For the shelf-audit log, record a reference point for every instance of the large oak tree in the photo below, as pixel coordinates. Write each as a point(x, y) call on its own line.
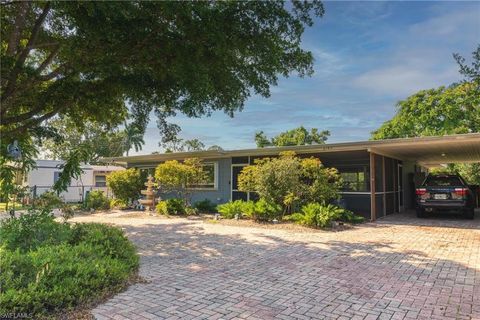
point(98, 61)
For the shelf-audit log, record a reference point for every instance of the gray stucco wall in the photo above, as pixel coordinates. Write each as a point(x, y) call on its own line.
point(222, 193)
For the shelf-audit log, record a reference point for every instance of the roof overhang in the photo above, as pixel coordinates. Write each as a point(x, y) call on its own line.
point(426, 151)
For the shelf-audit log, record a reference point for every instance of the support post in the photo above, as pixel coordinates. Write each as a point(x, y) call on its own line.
point(384, 188)
point(373, 211)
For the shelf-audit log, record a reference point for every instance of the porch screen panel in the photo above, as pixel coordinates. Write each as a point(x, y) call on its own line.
point(238, 195)
point(235, 173)
point(378, 175)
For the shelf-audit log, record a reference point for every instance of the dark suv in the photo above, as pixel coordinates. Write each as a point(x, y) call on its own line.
point(445, 192)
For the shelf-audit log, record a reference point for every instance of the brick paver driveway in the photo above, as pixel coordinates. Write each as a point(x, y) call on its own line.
point(397, 268)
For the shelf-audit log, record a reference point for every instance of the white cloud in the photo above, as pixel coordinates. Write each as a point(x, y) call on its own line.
point(404, 80)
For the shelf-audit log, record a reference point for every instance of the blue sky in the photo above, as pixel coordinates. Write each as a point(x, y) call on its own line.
point(368, 55)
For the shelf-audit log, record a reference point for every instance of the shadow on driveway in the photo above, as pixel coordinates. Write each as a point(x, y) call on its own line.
point(199, 271)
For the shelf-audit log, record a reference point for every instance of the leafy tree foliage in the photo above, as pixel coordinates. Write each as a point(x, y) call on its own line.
point(289, 180)
point(100, 141)
point(176, 144)
point(89, 60)
point(194, 145)
point(295, 137)
point(178, 177)
point(435, 112)
point(126, 184)
point(441, 111)
point(215, 147)
point(133, 137)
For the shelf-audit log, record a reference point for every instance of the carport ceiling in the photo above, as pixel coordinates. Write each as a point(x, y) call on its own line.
point(434, 151)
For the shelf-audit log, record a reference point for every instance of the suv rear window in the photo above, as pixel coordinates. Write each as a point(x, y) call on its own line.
point(443, 181)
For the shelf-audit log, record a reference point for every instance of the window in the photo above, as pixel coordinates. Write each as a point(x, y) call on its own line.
point(100, 181)
point(440, 181)
point(355, 179)
point(56, 176)
point(210, 177)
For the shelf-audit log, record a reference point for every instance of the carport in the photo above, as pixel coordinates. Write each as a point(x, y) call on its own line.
point(397, 165)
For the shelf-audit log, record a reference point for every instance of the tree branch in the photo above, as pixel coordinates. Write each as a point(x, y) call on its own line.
point(29, 124)
point(48, 60)
point(23, 55)
point(19, 24)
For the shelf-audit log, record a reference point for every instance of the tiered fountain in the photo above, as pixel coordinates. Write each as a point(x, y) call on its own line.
point(149, 193)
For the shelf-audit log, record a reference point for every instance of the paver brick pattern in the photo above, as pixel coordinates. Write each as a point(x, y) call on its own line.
point(399, 267)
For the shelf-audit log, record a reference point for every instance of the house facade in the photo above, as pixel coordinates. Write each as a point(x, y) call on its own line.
point(379, 176)
point(47, 172)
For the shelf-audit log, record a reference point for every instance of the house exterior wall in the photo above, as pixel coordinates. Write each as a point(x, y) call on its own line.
point(359, 202)
point(42, 178)
point(221, 193)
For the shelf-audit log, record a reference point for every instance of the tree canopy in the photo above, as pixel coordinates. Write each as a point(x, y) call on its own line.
point(445, 110)
point(440, 111)
point(98, 140)
point(88, 59)
point(295, 137)
point(99, 61)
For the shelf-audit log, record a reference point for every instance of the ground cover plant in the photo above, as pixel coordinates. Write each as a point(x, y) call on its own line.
point(49, 267)
point(205, 206)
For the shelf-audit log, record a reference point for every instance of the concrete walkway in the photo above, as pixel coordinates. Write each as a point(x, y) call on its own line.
point(397, 268)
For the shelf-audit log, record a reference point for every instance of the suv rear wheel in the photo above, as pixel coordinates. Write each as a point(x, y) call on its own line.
point(469, 213)
point(420, 213)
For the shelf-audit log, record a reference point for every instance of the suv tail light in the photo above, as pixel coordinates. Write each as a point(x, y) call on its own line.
point(461, 192)
point(420, 191)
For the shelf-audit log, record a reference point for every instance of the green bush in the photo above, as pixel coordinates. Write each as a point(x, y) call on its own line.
point(49, 200)
point(317, 215)
point(350, 217)
point(248, 209)
point(97, 200)
point(125, 184)
point(118, 204)
point(75, 266)
point(171, 206)
point(205, 206)
point(261, 210)
point(230, 209)
point(266, 211)
point(31, 230)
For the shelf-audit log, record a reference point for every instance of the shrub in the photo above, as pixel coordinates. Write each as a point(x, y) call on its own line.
point(176, 177)
point(350, 217)
point(261, 210)
point(118, 204)
point(171, 206)
point(266, 211)
point(96, 199)
point(31, 230)
point(49, 200)
point(230, 209)
point(317, 215)
point(289, 181)
point(64, 267)
point(190, 211)
point(205, 206)
point(125, 184)
point(249, 209)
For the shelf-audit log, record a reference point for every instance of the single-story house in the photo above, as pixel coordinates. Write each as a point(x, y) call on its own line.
point(379, 175)
point(46, 173)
